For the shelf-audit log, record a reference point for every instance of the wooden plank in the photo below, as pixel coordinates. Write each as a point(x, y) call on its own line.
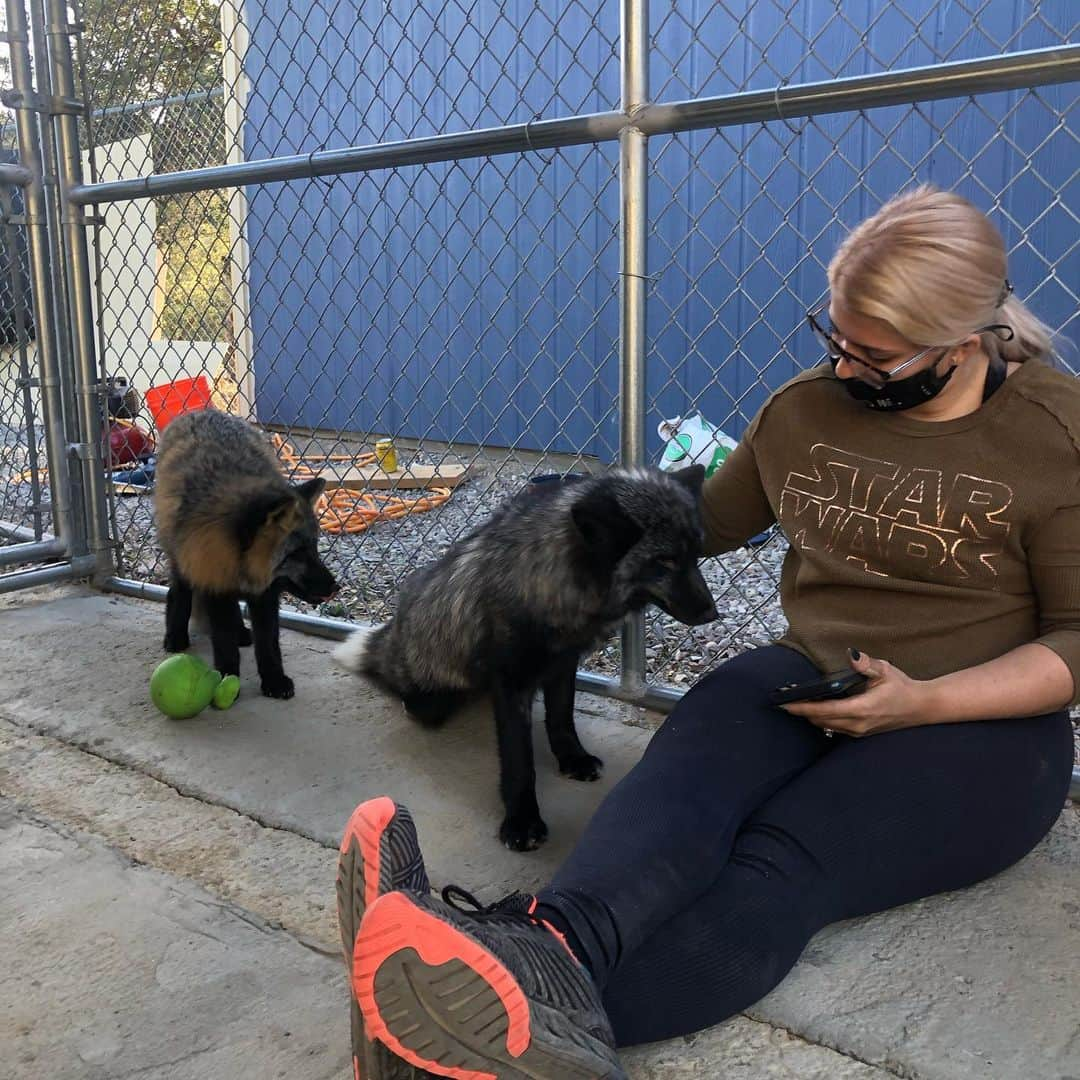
point(371, 476)
point(132, 489)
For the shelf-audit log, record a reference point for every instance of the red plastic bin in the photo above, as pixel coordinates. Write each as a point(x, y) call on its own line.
point(169, 400)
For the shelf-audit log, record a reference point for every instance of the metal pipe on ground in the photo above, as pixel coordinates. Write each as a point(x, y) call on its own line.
point(20, 533)
point(43, 575)
point(34, 551)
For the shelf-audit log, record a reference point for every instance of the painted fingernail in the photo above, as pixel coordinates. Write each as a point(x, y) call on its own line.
point(855, 654)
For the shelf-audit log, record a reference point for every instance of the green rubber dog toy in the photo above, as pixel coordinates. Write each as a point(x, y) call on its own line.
point(183, 685)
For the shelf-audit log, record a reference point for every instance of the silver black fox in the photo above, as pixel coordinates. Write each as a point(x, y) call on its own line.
point(513, 606)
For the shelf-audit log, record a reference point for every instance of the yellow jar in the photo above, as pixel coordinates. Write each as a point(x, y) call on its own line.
point(386, 455)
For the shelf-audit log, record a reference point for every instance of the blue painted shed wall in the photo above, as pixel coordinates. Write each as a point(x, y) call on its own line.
point(476, 302)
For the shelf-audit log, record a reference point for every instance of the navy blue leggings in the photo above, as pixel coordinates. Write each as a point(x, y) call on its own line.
point(744, 830)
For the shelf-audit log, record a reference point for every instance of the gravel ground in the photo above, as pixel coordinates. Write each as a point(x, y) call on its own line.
point(370, 565)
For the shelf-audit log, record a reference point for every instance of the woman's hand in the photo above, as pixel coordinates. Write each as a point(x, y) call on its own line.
point(1030, 680)
point(890, 700)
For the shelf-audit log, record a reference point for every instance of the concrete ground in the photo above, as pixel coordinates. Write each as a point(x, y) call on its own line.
point(167, 902)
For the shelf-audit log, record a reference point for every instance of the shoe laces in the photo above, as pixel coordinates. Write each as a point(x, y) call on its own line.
point(517, 906)
point(516, 909)
point(463, 900)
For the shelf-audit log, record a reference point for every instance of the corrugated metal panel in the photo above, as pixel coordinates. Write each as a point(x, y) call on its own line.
point(468, 302)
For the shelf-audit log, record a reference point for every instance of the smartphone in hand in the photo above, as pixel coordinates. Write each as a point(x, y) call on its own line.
point(839, 684)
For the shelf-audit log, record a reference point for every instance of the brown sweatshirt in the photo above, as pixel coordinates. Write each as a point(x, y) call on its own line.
point(933, 545)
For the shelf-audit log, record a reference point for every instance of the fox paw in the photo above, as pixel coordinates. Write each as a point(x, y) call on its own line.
point(524, 834)
point(280, 686)
point(176, 642)
point(581, 767)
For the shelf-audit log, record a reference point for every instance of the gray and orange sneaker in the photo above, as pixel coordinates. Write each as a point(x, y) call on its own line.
point(489, 993)
point(379, 854)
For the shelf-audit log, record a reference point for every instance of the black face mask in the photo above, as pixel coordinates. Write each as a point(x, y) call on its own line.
point(901, 394)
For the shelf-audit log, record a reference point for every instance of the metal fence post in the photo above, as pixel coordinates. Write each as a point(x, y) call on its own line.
point(11, 244)
point(633, 237)
point(44, 297)
point(80, 307)
point(57, 277)
point(234, 34)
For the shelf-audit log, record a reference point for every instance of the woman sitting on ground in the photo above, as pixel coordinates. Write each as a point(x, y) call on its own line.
point(928, 481)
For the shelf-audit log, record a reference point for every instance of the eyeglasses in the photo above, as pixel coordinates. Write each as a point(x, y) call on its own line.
point(868, 372)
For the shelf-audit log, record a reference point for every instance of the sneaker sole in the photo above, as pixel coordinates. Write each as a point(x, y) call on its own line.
point(364, 862)
point(443, 1002)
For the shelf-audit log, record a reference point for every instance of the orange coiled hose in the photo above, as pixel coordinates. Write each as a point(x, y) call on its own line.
point(342, 510)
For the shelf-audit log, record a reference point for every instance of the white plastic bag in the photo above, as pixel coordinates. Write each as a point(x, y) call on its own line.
point(692, 440)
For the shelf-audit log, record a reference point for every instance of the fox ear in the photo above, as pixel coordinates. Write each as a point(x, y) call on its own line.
point(311, 489)
point(693, 476)
point(277, 511)
point(609, 533)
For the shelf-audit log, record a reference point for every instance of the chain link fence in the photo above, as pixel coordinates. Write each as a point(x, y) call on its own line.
point(733, 278)
point(745, 219)
point(466, 304)
point(24, 506)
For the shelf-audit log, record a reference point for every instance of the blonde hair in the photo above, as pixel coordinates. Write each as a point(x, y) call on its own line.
point(933, 266)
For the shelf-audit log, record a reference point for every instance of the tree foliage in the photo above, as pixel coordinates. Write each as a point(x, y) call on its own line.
point(144, 50)
point(134, 51)
point(138, 50)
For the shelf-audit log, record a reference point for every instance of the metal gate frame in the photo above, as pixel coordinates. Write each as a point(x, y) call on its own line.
point(48, 132)
point(67, 436)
